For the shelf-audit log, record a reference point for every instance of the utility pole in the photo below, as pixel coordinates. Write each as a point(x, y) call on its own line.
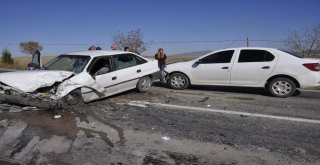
point(247, 41)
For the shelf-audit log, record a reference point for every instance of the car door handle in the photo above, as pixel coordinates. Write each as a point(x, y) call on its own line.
point(225, 67)
point(138, 71)
point(114, 78)
point(266, 67)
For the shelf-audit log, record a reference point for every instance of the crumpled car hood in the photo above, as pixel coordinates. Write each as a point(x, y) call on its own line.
point(82, 79)
point(29, 81)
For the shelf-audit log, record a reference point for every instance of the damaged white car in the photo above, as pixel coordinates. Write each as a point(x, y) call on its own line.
point(71, 79)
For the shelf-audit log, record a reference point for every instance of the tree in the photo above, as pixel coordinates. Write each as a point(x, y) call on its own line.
point(30, 47)
point(133, 40)
point(306, 42)
point(6, 57)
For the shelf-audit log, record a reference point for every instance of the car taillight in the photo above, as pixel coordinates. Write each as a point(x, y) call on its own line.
point(313, 66)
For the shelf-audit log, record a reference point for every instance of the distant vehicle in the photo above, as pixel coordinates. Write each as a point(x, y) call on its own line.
point(278, 71)
point(74, 78)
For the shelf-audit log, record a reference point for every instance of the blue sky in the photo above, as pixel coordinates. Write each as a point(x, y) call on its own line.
point(65, 26)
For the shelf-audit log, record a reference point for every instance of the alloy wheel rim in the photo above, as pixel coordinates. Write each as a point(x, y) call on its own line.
point(281, 88)
point(146, 84)
point(178, 81)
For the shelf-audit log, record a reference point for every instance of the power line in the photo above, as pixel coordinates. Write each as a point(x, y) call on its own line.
point(163, 42)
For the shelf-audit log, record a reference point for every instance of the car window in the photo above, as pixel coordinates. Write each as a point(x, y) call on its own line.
point(255, 56)
point(219, 57)
point(122, 61)
point(295, 54)
point(71, 63)
point(100, 65)
point(139, 60)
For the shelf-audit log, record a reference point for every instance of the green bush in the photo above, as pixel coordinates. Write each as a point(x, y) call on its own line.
point(6, 57)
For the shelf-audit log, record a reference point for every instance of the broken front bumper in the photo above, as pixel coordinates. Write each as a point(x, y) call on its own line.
point(28, 101)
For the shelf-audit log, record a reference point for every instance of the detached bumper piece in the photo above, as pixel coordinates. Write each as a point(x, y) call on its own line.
point(27, 101)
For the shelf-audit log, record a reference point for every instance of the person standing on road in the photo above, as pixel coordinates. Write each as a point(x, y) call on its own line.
point(161, 57)
point(35, 61)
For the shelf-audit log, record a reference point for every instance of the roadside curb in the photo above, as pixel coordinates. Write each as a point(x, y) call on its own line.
point(309, 93)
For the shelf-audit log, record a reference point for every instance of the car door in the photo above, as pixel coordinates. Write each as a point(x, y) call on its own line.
point(213, 69)
point(252, 66)
point(103, 71)
point(129, 69)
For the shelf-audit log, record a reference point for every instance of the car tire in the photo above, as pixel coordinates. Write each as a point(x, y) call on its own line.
point(72, 99)
point(178, 81)
point(281, 87)
point(144, 84)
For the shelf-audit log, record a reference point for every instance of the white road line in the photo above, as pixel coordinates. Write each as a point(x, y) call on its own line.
point(143, 104)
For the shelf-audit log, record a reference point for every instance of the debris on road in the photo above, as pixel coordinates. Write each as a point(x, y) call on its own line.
point(204, 100)
point(57, 116)
point(165, 138)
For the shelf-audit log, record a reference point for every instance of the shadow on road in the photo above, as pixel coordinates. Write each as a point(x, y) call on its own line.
point(246, 90)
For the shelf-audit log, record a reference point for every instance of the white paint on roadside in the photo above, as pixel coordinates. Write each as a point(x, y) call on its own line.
point(137, 104)
point(287, 118)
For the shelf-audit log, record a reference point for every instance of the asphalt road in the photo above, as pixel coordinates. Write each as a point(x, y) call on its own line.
point(201, 125)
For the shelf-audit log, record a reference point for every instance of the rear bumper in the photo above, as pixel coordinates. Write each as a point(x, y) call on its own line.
point(309, 80)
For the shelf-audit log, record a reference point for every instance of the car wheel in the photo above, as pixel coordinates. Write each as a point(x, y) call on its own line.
point(144, 84)
point(178, 81)
point(72, 99)
point(281, 87)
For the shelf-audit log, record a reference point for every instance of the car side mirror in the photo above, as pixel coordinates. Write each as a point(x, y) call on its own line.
point(198, 61)
point(34, 65)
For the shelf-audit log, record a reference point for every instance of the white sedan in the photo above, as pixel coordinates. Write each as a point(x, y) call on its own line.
point(73, 78)
point(277, 71)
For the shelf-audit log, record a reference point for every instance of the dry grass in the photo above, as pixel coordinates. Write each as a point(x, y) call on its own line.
point(21, 63)
point(172, 59)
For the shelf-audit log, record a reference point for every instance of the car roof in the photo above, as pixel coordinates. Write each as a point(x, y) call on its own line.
point(96, 53)
point(258, 48)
